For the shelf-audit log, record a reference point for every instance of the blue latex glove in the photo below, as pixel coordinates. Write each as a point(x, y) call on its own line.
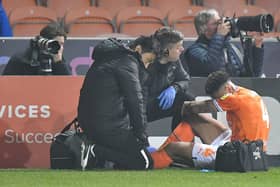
point(166, 98)
point(151, 149)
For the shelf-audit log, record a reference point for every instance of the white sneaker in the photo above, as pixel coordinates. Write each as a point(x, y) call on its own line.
point(85, 152)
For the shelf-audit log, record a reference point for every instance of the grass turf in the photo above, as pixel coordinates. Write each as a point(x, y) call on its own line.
point(166, 177)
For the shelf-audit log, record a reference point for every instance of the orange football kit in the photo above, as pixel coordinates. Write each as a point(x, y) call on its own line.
point(247, 117)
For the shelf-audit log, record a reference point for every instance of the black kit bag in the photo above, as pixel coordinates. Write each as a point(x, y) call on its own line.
point(238, 156)
point(65, 148)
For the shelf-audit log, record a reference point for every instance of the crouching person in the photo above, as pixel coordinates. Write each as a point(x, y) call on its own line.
point(111, 108)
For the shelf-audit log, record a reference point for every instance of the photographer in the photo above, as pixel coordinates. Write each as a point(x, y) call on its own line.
point(213, 50)
point(43, 57)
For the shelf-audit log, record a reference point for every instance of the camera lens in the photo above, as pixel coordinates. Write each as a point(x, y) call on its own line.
point(260, 23)
point(51, 46)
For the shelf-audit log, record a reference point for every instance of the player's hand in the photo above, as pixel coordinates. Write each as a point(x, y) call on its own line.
point(186, 108)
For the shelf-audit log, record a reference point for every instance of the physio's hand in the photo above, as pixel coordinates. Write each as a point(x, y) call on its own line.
point(151, 149)
point(167, 97)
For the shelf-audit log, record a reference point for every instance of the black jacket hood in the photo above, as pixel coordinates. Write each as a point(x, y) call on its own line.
point(110, 49)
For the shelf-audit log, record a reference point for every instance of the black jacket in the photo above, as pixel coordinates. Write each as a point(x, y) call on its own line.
point(111, 96)
point(20, 64)
point(164, 75)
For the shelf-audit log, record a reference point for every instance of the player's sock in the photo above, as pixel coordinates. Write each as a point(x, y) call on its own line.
point(161, 159)
point(183, 132)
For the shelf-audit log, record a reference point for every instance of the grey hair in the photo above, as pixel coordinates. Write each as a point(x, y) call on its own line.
point(202, 18)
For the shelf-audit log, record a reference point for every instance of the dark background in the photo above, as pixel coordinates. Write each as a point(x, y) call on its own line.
point(78, 50)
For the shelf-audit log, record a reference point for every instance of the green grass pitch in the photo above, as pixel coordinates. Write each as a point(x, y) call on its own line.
point(153, 178)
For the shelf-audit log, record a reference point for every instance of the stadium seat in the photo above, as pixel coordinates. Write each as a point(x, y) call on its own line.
point(89, 22)
point(62, 6)
point(9, 5)
point(135, 21)
point(166, 5)
point(276, 16)
point(222, 5)
point(113, 35)
point(28, 21)
point(270, 5)
point(114, 6)
point(183, 20)
point(244, 10)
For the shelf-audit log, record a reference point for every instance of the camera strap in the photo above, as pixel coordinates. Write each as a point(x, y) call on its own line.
point(34, 58)
point(225, 55)
point(237, 52)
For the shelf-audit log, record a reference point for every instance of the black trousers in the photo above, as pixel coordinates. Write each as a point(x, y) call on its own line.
point(154, 112)
point(122, 148)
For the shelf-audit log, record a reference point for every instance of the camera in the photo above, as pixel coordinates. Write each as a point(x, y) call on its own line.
point(42, 53)
point(259, 23)
point(46, 45)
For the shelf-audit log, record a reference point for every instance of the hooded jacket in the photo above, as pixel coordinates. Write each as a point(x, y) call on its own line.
point(164, 75)
point(112, 96)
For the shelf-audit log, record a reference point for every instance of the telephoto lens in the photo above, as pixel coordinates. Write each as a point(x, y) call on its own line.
point(259, 23)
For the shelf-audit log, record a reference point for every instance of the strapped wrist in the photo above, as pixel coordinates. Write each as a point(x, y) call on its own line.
point(176, 87)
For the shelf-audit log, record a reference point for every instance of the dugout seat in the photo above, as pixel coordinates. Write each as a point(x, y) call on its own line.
point(89, 22)
point(244, 10)
point(114, 6)
point(28, 21)
point(277, 24)
point(183, 20)
point(270, 5)
point(135, 21)
point(166, 5)
point(9, 5)
point(223, 5)
point(62, 6)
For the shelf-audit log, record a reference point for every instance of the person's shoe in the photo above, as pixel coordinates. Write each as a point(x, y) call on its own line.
point(88, 158)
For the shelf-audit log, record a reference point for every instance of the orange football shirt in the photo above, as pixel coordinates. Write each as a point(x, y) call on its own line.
point(247, 115)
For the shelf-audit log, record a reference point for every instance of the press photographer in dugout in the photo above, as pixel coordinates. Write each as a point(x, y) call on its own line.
point(44, 56)
point(214, 49)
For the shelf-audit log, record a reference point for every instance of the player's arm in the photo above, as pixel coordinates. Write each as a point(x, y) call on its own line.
point(207, 106)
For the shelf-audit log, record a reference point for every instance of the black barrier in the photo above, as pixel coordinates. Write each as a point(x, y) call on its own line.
point(78, 53)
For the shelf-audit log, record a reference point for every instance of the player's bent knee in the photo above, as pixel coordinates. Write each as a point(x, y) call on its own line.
point(180, 150)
